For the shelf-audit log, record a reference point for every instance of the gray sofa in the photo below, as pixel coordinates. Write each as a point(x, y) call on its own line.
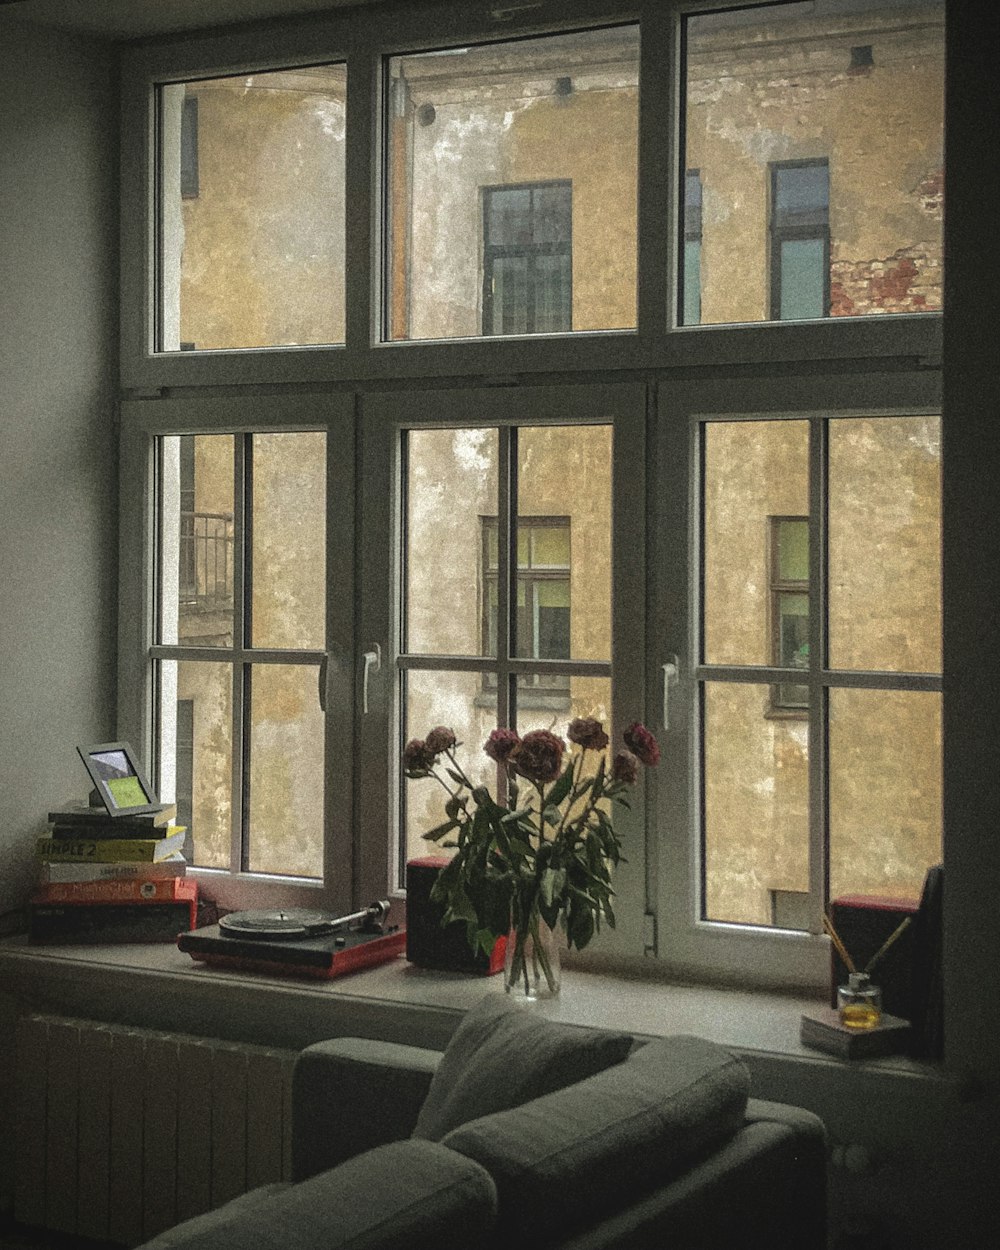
point(531, 1134)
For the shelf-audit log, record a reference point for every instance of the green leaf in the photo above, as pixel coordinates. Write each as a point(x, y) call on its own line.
point(551, 815)
point(561, 787)
point(440, 831)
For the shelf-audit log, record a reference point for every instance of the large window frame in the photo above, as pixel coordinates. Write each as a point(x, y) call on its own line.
point(688, 942)
point(384, 417)
point(144, 425)
point(368, 388)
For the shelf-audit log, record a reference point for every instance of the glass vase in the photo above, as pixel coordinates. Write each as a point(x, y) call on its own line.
point(531, 965)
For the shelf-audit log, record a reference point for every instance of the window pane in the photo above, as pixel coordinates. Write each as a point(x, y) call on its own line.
point(252, 236)
point(793, 550)
point(451, 484)
point(451, 699)
point(586, 696)
point(776, 84)
point(801, 193)
point(285, 819)
point(510, 296)
point(548, 129)
point(560, 468)
point(289, 541)
point(195, 755)
point(885, 544)
point(196, 540)
point(754, 471)
point(802, 279)
point(885, 791)
point(756, 803)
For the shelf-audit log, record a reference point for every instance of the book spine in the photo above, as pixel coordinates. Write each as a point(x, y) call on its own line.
point(123, 890)
point(83, 923)
point(108, 850)
point(127, 870)
point(110, 833)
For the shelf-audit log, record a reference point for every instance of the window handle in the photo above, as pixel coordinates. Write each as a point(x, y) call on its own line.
point(372, 662)
point(671, 676)
point(322, 683)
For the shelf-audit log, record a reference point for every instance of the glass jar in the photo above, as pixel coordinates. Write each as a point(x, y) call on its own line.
point(859, 1002)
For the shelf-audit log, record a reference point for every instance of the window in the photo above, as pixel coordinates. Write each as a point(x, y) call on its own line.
point(788, 560)
point(239, 647)
point(252, 210)
point(401, 460)
point(691, 266)
point(542, 623)
point(475, 491)
point(551, 110)
point(812, 214)
point(527, 259)
point(814, 725)
point(800, 241)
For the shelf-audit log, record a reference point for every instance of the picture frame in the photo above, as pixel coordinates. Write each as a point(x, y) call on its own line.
point(118, 779)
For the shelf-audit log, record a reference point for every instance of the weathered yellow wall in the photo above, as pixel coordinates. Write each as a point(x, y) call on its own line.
point(759, 95)
point(263, 247)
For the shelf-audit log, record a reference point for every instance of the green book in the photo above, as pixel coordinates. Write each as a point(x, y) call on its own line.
point(110, 850)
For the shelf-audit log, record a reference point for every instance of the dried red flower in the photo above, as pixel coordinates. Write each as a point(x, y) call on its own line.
point(588, 733)
point(539, 756)
point(441, 738)
point(418, 758)
point(641, 742)
point(500, 745)
point(625, 768)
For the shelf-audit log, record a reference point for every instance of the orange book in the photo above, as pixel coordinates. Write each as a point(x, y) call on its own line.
point(127, 890)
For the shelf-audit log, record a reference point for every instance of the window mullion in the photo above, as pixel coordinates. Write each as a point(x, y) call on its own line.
point(241, 692)
point(819, 815)
point(506, 572)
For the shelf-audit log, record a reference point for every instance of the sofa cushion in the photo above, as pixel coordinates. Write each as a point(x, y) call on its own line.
point(502, 1055)
point(408, 1193)
point(574, 1156)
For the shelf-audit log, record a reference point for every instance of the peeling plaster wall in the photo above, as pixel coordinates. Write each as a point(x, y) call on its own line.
point(787, 92)
point(263, 246)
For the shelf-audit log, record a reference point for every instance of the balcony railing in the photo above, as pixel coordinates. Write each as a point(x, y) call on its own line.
point(206, 561)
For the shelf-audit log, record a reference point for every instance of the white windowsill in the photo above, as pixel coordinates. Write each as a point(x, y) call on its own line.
point(157, 986)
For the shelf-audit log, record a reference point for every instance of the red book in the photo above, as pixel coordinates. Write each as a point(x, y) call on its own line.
point(126, 890)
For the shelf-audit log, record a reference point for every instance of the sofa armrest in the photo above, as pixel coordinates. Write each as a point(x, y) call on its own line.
point(350, 1094)
point(764, 1188)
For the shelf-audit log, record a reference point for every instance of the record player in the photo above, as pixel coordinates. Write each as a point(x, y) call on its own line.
point(296, 941)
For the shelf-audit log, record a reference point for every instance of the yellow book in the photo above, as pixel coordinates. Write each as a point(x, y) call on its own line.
point(111, 850)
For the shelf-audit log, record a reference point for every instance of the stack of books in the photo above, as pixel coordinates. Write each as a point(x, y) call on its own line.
point(111, 879)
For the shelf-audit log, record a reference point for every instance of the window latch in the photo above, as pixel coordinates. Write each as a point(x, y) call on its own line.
point(372, 662)
point(323, 666)
point(671, 675)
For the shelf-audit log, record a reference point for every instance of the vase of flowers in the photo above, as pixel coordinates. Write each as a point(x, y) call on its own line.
point(535, 863)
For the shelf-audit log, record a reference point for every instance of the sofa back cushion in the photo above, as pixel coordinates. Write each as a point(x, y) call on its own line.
point(501, 1056)
point(404, 1194)
point(574, 1156)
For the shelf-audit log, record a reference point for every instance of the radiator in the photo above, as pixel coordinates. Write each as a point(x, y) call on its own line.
point(122, 1133)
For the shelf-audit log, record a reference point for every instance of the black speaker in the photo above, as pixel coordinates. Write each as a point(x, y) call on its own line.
point(428, 943)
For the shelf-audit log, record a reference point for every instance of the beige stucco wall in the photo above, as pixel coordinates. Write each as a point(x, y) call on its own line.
point(263, 241)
